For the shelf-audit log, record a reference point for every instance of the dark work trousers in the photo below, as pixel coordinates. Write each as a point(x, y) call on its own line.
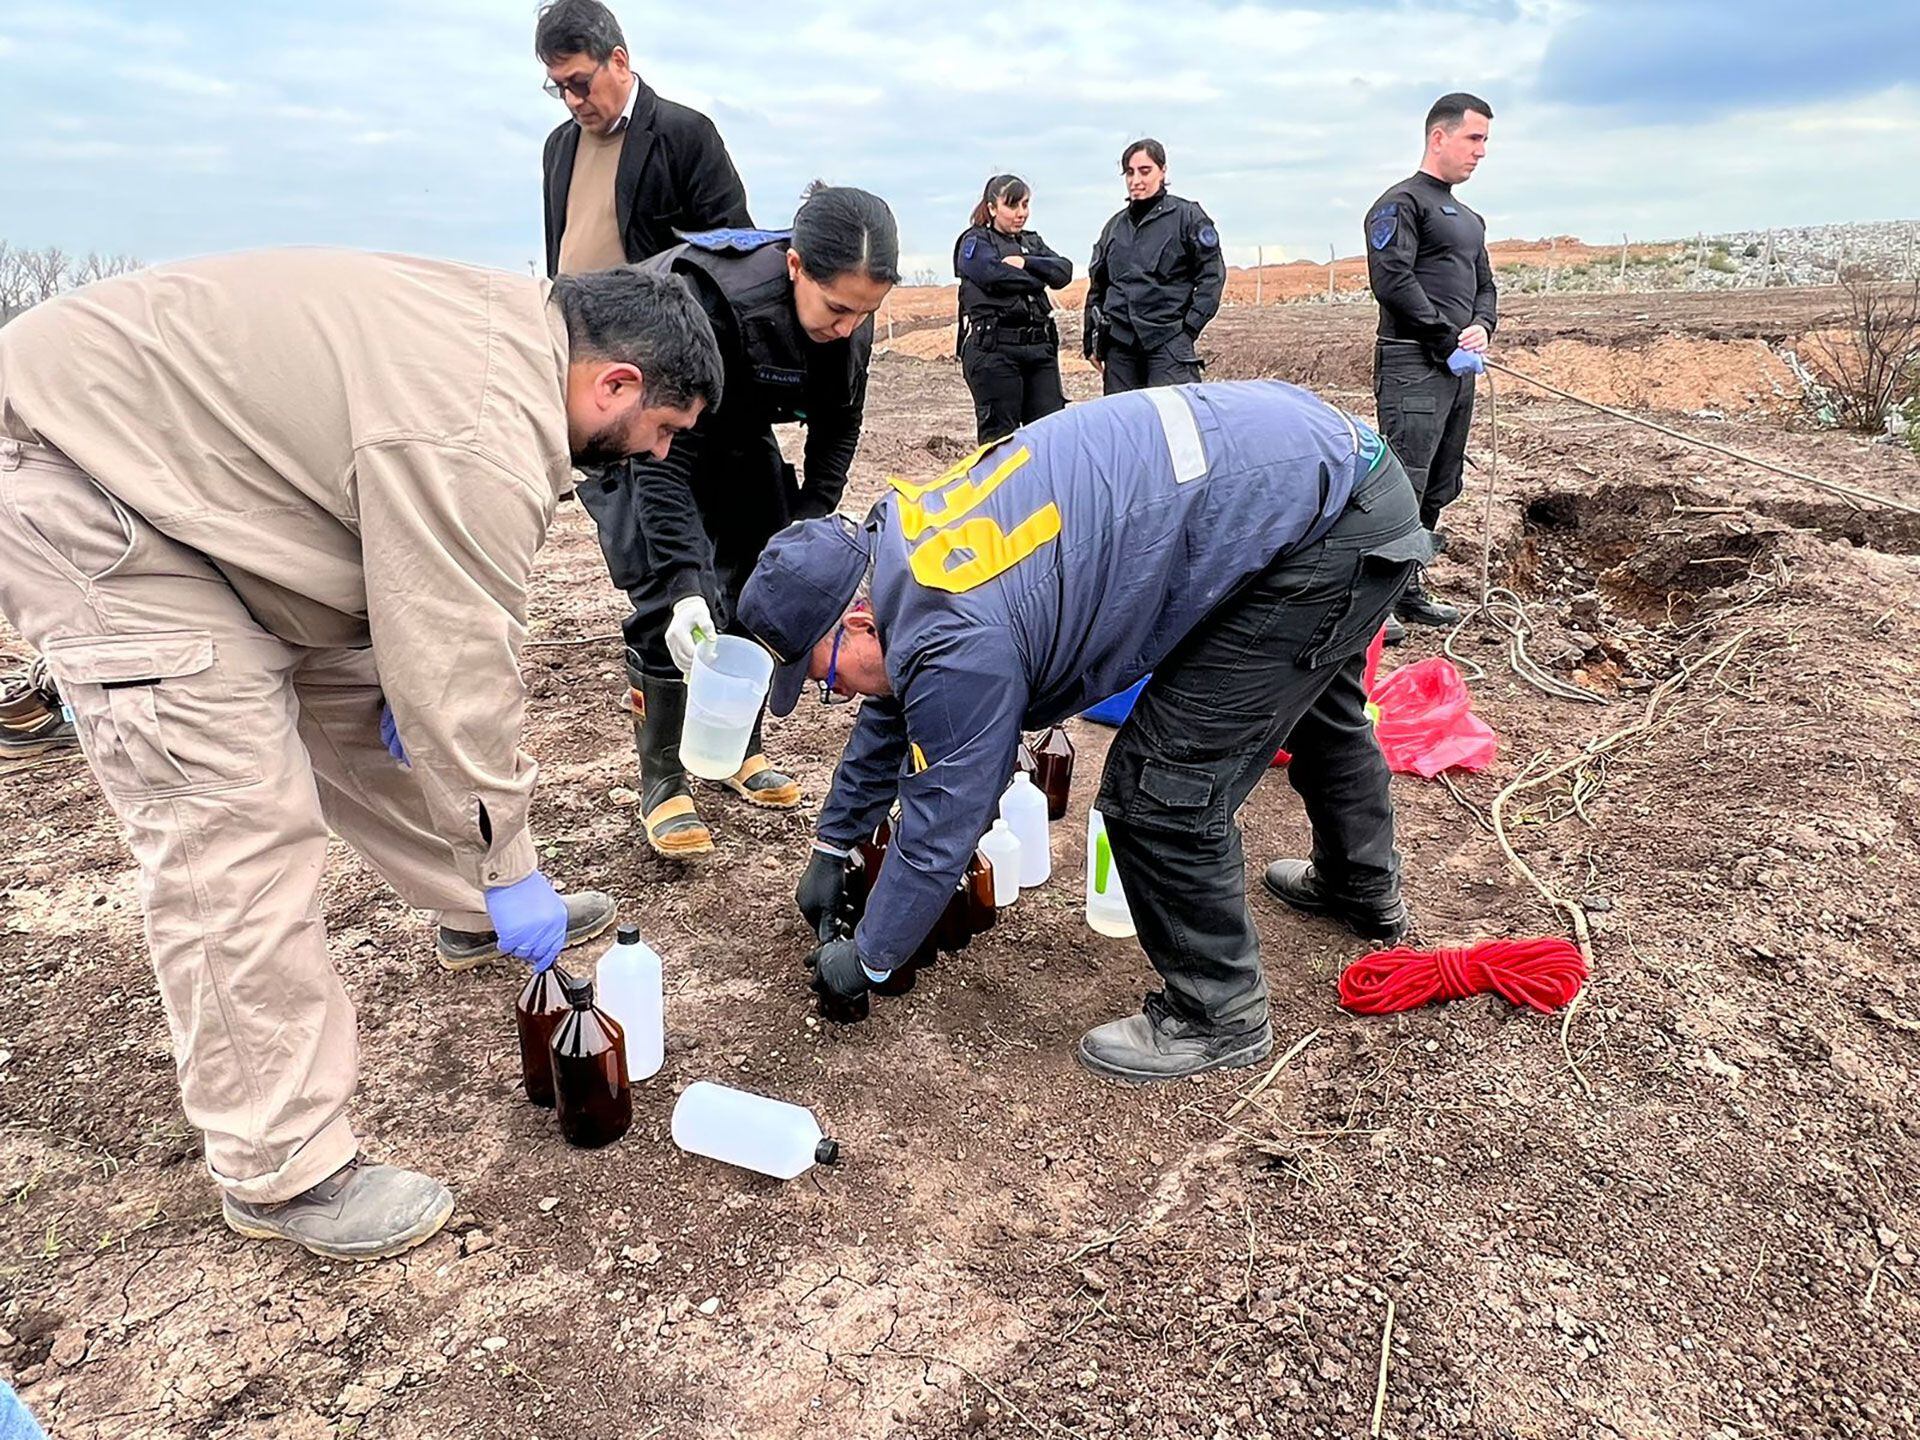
point(733, 542)
point(1425, 413)
point(1128, 367)
point(1278, 662)
point(1012, 383)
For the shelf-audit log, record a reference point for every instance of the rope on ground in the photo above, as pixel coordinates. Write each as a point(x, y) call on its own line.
point(1832, 486)
point(1502, 607)
point(606, 639)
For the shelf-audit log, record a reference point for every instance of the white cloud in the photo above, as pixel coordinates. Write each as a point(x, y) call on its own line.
point(417, 125)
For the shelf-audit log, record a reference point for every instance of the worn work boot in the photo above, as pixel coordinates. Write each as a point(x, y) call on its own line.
point(1417, 607)
point(674, 826)
point(364, 1212)
point(1298, 884)
point(1159, 1045)
point(32, 719)
point(589, 913)
point(1396, 632)
point(758, 783)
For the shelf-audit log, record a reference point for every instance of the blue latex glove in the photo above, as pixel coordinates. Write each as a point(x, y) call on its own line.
point(1467, 362)
point(529, 920)
point(390, 733)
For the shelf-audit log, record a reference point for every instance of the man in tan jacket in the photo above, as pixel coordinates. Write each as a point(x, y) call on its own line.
point(270, 518)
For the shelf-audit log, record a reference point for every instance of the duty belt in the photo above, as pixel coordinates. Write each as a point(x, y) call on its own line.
point(1032, 334)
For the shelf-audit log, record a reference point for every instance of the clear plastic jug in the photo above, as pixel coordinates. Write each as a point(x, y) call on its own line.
point(724, 695)
point(1002, 847)
point(1024, 809)
point(1107, 910)
point(751, 1131)
point(629, 984)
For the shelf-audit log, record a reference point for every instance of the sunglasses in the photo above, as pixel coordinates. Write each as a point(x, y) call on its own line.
point(580, 89)
point(829, 695)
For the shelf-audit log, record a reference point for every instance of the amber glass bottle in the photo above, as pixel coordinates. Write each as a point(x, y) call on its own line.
point(536, 1014)
point(1054, 774)
point(978, 888)
point(591, 1095)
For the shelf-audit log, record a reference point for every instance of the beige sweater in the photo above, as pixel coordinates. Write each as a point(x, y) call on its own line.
point(592, 240)
point(370, 447)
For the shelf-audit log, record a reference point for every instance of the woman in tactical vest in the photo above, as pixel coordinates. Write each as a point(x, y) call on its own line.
point(1008, 345)
point(793, 313)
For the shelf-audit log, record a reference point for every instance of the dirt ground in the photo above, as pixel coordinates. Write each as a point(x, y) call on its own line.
point(1687, 1210)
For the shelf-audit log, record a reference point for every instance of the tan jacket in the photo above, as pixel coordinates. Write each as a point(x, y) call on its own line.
point(370, 447)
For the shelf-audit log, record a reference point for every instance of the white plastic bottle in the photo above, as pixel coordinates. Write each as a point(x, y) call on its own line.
point(750, 1131)
point(627, 985)
point(1107, 910)
point(1024, 808)
point(1002, 849)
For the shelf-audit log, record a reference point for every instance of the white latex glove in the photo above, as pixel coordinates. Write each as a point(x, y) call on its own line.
point(692, 623)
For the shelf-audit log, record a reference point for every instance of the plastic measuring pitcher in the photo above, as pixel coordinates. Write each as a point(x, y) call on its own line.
point(750, 1131)
point(724, 695)
point(1107, 910)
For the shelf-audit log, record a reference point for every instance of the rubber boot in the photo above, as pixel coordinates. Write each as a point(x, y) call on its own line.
point(674, 826)
point(757, 782)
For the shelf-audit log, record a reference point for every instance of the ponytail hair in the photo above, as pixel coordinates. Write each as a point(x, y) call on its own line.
point(840, 230)
point(1010, 188)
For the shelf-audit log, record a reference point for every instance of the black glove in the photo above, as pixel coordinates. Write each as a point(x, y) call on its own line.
point(840, 981)
point(822, 893)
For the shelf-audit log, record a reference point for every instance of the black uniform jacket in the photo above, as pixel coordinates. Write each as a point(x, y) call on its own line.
point(1157, 279)
point(674, 177)
point(994, 292)
point(723, 483)
point(1427, 263)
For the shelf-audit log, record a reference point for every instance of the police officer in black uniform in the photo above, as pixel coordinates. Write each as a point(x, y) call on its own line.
point(793, 314)
point(1008, 345)
point(1155, 281)
point(1427, 263)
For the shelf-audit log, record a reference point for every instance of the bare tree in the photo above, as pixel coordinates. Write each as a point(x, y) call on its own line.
point(13, 282)
point(1873, 356)
point(46, 273)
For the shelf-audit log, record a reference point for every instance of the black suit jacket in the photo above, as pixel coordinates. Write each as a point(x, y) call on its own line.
point(675, 175)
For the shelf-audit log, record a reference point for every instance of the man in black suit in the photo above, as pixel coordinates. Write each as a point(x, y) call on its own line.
point(629, 170)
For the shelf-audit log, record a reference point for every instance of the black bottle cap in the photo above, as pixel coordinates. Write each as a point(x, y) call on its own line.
point(579, 993)
point(827, 1152)
point(627, 935)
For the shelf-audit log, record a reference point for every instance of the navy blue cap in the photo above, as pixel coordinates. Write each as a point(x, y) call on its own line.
point(806, 578)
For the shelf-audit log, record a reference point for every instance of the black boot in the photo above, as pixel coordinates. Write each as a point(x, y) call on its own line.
point(1417, 607)
point(1298, 884)
point(674, 826)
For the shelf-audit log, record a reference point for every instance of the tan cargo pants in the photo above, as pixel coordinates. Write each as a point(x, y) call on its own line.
point(227, 753)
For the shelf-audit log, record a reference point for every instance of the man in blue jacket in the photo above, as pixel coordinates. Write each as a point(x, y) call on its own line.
point(1241, 541)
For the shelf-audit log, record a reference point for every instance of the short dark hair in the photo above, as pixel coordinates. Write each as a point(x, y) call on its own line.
point(576, 27)
point(1156, 152)
point(1450, 110)
point(627, 316)
point(840, 230)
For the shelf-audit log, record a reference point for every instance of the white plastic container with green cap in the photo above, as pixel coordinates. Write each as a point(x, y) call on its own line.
point(751, 1131)
point(1107, 910)
point(631, 990)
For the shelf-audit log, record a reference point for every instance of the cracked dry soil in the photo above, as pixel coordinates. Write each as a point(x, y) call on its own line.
point(1697, 1217)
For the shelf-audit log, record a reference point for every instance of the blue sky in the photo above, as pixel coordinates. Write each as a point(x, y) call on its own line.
point(174, 129)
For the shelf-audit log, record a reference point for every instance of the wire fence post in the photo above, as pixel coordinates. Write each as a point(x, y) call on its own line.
point(1330, 258)
point(1259, 271)
point(1766, 263)
point(1621, 283)
point(1699, 256)
point(1553, 245)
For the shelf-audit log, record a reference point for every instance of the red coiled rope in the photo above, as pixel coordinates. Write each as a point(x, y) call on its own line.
point(1545, 973)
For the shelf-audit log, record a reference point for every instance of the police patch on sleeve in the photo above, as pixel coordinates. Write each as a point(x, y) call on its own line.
point(1382, 224)
point(966, 250)
point(1208, 236)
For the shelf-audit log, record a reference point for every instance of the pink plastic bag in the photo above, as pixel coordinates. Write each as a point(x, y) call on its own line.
point(1427, 723)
